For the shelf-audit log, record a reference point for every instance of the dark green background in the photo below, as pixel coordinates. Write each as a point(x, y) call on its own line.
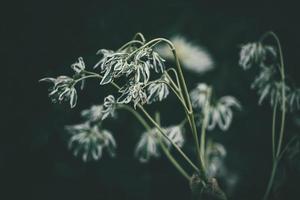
point(43, 38)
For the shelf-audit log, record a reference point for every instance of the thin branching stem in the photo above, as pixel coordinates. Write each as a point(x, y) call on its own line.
point(168, 153)
point(171, 141)
point(274, 129)
point(277, 152)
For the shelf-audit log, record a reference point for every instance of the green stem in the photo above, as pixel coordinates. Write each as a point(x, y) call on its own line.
point(172, 160)
point(204, 127)
point(271, 180)
point(277, 156)
point(129, 43)
point(138, 34)
point(168, 153)
point(136, 114)
point(274, 129)
point(178, 87)
point(171, 141)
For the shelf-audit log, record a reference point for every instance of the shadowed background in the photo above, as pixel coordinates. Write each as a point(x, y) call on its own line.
point(42, 39)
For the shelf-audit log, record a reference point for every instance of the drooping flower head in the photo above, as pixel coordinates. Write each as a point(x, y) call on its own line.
point(158, 90)
point(219, 112)
point(62, 90)
point(148, 145)
point(88, 141)
point(255, 54)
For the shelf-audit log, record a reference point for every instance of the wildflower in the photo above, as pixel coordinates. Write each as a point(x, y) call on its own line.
point(199, 95)
point(155, 61)
point(89, 141)
point(215, 155)
point(194, 58)
point(255, 54)
point(272, 91)
point(148, 146)
point(135, 64)
point(62, 90)
point(142, 71)
point(79, 66)
point(158, 90)
point(265, 76)
point(134, 93)
point(112, 64)
point(94, 113)
point(219, 112)
point(109, 106)
point(174, 133)
point(293, 99)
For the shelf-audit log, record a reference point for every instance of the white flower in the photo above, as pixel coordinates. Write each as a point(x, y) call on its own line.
point(109, 106)
point(89, 141)
point(272, 91)
point(135, 64)
point(157, 91)
point(148, 146)
point(215, 155)
point(193, 57)
point(219, 112)
point(255, 54)
point(62, 90)
point(199, 95)
point(134, 93)
point(94, 113)
point(79, 66)
point(174, 133)
point(293, 99)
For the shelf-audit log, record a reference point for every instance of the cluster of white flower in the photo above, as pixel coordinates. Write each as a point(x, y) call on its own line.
point(63, 88)
point(135, 64)
point(148, 145)
point(255, 53)
point(266, 82)
point(219, 112)
point(88, 141)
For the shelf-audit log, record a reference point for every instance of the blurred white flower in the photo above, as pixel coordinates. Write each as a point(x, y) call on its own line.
point(193, 57)
point(215, 155)
point(148, 146)
point(219, 112)
point(175, 134)
point(94, 113)
point(293, 99)
point(255, 54)
point(199, 95)
point(89, 141)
